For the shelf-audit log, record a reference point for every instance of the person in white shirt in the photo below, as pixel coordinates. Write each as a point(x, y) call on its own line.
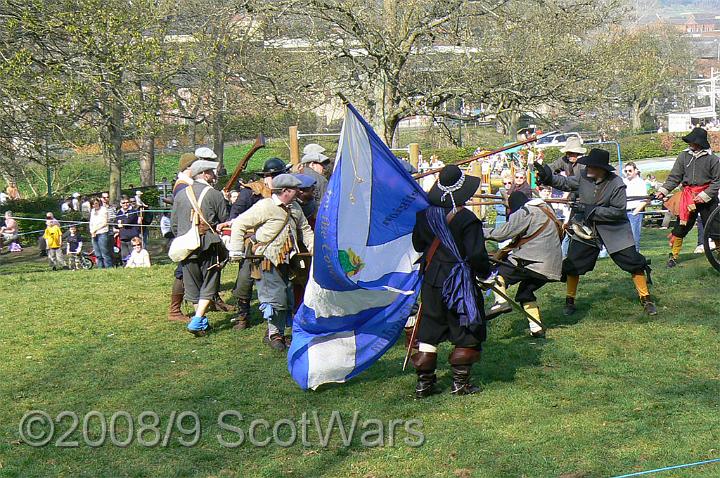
point(166, 229)
point(100, 234)
point(139, 257)
point(66, 206)
point(8, 232)
point(636, 187)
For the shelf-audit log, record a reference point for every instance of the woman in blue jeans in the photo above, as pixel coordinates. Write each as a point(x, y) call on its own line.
point(101, 235)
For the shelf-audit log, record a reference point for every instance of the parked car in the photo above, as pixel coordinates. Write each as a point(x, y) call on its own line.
point(556, 139)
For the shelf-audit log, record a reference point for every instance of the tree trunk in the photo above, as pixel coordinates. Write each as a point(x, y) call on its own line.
point(636, 116)
point(390, 129)
point(193, 135)
point(147, 162)
point(114, 151)
point(506, 123)
point(219, 140)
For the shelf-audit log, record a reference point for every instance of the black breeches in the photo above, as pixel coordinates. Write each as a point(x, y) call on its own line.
point(529, 283)
point(581, 259)
point(438, 324)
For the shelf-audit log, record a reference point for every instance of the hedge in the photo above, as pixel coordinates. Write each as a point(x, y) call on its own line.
point(34, 208)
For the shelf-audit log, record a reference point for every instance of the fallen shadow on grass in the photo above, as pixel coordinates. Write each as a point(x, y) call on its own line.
point(501, 359)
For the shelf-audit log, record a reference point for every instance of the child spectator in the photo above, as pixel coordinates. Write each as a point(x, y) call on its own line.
point(8, 232)
point(73, 242)
point(139, 257)
point(53, 242)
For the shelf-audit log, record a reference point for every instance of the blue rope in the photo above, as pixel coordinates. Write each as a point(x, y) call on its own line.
point(675, 467)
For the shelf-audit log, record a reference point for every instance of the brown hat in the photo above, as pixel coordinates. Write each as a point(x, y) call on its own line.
point(186, 161)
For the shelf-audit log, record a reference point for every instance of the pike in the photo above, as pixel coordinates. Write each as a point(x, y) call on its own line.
point(532, 139)
point(259, 143)
point(498, 201)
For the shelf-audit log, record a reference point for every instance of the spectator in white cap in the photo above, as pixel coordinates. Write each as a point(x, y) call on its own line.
point(75, 203)
point(280, 226)
point(313, 164)
point(138, 199)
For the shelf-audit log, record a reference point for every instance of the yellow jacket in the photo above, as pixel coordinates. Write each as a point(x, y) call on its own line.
point(53, 237)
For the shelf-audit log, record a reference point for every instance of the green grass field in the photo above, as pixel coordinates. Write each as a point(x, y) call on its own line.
point(610, 391)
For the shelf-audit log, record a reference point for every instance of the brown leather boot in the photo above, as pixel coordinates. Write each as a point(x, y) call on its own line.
point(277, 342)
point(219, 305)
point(176, 300)
point(243, 312)
point(425, 364)
point(461, 360)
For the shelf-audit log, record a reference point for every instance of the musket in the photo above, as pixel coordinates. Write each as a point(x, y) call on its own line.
point(260, 256)
point(532, 139)
point(259, 143)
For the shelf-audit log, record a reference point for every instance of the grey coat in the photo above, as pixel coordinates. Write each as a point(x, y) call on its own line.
point(571, 169)
point(321, 183)
point(545, 248)
point(213, 207)
point(609, 218)
point(564, 164)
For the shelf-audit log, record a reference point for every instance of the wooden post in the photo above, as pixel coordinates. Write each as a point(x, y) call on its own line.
point(475, 169)
point(294, 147)
point(414, 150)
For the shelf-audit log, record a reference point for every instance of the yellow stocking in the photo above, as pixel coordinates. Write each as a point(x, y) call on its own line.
point(500, 285)
point(532, 309)
point(676, 246)
point(640, 284)
point(572, 285)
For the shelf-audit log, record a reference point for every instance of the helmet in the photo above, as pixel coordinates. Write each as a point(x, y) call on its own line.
point(274, 166)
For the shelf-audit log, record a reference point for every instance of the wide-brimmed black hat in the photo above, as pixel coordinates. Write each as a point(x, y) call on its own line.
point(598, 158)
point(697, 136)
point(516, 201)
point(453, 185)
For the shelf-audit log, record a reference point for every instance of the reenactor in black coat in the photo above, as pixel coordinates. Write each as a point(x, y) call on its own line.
point(602, 219)
point(453, 246)
point(697, 169)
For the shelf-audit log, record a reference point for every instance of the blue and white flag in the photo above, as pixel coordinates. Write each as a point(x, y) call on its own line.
point(363, 280)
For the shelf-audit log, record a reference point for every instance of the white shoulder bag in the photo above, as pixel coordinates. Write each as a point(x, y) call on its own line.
point(183, 246)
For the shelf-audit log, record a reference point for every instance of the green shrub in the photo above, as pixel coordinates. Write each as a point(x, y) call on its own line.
point(637, 148)
point(551, 154)
point(449, 155)
point(35, 208)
